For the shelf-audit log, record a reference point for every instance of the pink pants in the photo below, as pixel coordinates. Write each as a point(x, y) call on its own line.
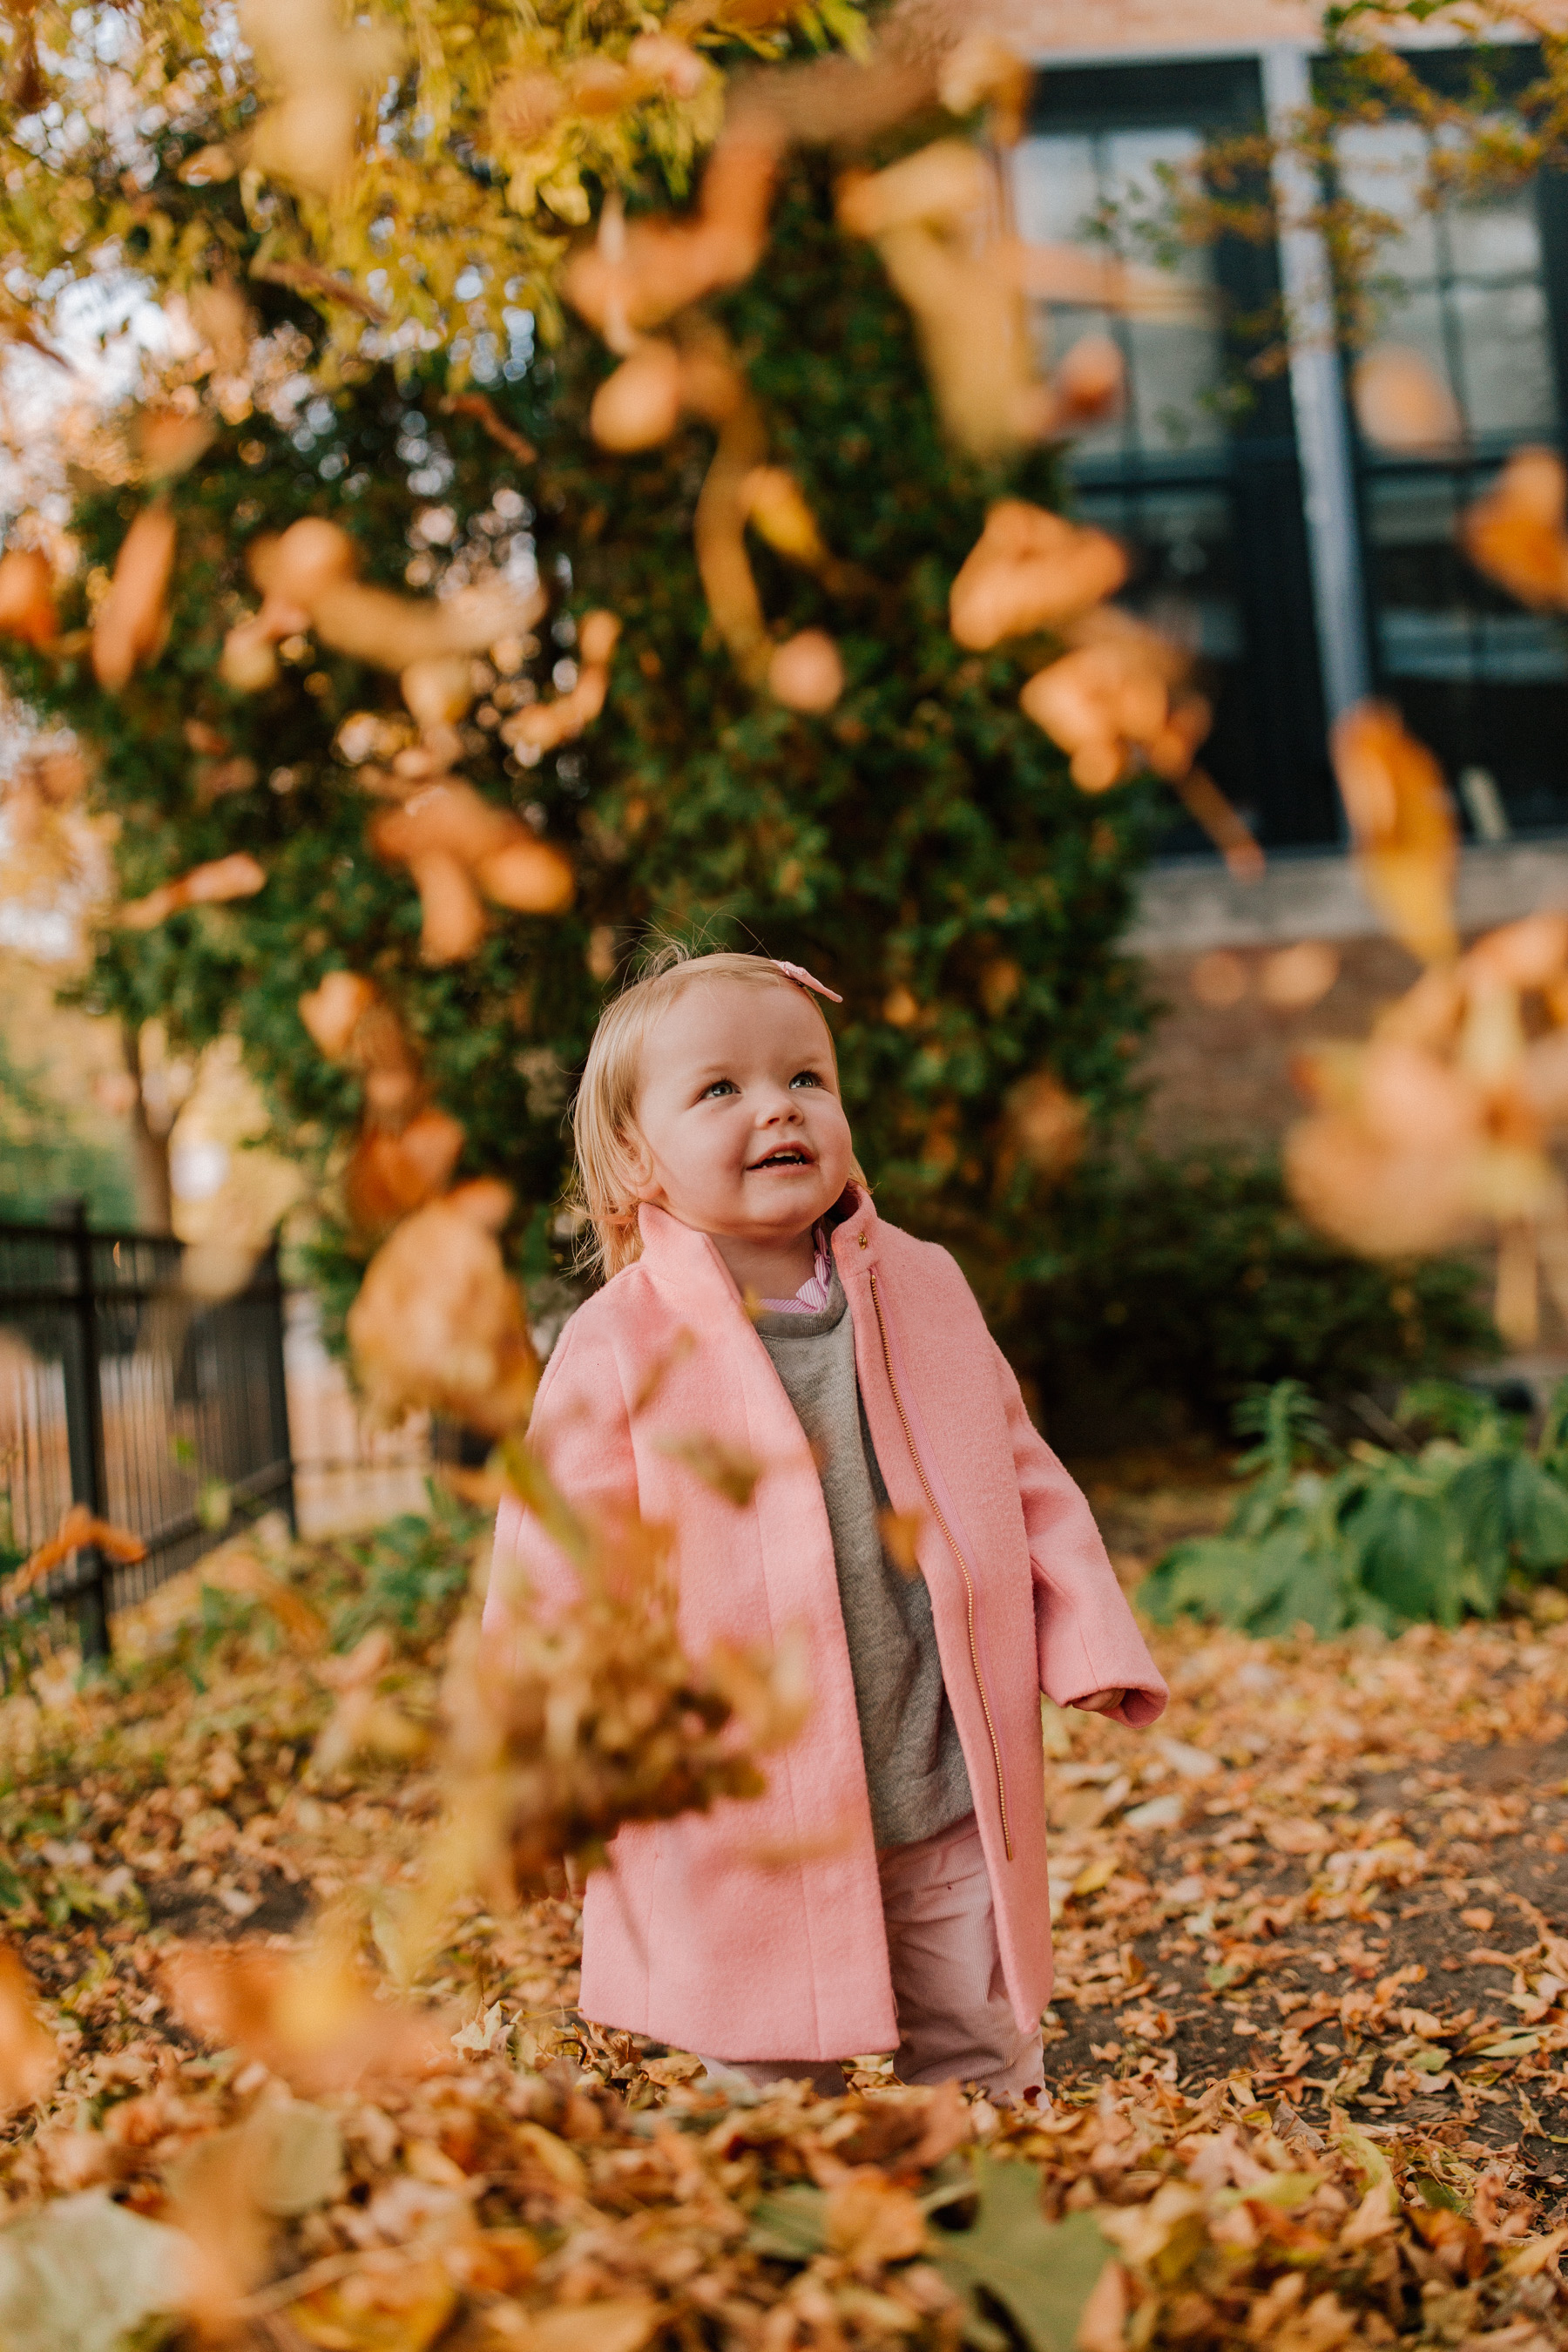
point(955, 2021)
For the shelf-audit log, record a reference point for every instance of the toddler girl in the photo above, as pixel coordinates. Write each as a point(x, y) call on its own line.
point(888, 1892)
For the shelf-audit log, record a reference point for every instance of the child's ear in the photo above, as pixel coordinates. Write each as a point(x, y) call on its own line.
point(638, 1168)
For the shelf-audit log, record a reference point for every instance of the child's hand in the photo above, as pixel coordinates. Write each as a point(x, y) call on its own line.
point(1100, 1702)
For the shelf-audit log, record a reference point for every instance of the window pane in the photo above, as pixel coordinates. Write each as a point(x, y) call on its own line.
point(1072, 189)
point(1498, 239)
point(1055, 190)
point(1383, 166)
point(1504, 360)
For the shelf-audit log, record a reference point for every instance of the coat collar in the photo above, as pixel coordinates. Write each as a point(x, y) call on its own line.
point(687, 1265)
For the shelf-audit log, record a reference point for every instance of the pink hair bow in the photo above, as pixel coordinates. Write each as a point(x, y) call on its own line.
point(803, 979)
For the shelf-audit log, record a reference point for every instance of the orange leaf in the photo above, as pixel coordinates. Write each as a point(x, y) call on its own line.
point(26, 597)
point(314, 2020)
point(1516, 532)
point(1403, 826)
point(132, 621)
point(1030, 569)
point(28, 2059)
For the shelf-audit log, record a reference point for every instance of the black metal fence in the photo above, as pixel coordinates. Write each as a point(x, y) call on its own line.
point(164, 1413)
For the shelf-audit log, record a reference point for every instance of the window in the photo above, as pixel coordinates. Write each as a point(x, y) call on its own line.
point(1200, 477)
point(1478, 286)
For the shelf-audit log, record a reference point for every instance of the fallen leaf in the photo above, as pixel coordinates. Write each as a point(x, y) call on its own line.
point(82, 2272)
point(402, 2307)
point(1043, 2272)
point(870, 2222)
point(622, 2324)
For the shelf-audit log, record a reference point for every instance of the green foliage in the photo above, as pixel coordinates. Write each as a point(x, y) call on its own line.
point(924, 834)
point(1383, 1537)
point(413, 1572)
point(44, 1155)
point(1161, 1288)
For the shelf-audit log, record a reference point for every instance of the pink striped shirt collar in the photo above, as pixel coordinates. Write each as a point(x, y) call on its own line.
point(815, 1290)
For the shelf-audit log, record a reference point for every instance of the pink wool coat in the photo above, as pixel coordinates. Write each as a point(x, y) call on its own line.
point(693, 1938)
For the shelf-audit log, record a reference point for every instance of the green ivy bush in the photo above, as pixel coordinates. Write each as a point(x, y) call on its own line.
point(921, 841)
point(1470, 1511)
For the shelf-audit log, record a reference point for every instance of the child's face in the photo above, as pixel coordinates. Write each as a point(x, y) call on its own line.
point(742, 1131)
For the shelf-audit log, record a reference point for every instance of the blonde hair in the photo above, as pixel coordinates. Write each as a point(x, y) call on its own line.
point(604, 1117)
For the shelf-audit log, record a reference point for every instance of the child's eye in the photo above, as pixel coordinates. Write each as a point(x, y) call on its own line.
point(719, 1086)
point(806, 1078)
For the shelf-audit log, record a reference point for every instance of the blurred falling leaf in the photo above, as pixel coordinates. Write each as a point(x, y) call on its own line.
point(1030, 569)
point(930, 216)
point(312, 2018)
point(459, 846)
point(26, 597)
point(363, 1722)
point(1046, 1124)
point(901, 1533)
point(621, 2323)
point(1293, 979)
point(238, 876)
point(1406, 840)
point(132, 620)
point(333, 1012)
point(29, 2062)
point(729, 1473)
point(637, 274)
point(806, 672)
point(77, 1526)
point(170, 440)
point(1516, 533)
point(391, 1173)
point(1218, 980)
point(638, 406)
point(1402, 403)
point(1118, 697)
point(541, 726)
point(439, 1323)
point(322, 74)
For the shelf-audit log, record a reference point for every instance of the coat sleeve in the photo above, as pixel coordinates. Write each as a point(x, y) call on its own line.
point(580, 1431)
point(1085, 1634)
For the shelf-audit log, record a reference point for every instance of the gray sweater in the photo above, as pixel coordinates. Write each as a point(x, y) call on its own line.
point(914, 1765)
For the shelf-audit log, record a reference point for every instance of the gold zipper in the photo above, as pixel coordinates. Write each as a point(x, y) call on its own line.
point(962, 1567)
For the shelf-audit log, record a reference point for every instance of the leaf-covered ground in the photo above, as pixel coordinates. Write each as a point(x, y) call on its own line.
point(1306, 2049)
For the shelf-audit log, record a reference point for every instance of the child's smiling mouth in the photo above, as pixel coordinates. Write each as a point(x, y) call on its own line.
point(787, 1156)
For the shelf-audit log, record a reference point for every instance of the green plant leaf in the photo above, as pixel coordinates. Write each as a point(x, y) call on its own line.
point(1041, 2273)
point(791, 2225)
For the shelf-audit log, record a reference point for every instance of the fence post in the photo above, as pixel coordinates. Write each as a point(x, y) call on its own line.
point(84, 1425)
point(277, 1380)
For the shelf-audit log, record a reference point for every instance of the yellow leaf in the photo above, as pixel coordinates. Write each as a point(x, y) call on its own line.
point(400, 2309)
point(564, 2164)
point(623, 2325)
point(1095, 1875)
